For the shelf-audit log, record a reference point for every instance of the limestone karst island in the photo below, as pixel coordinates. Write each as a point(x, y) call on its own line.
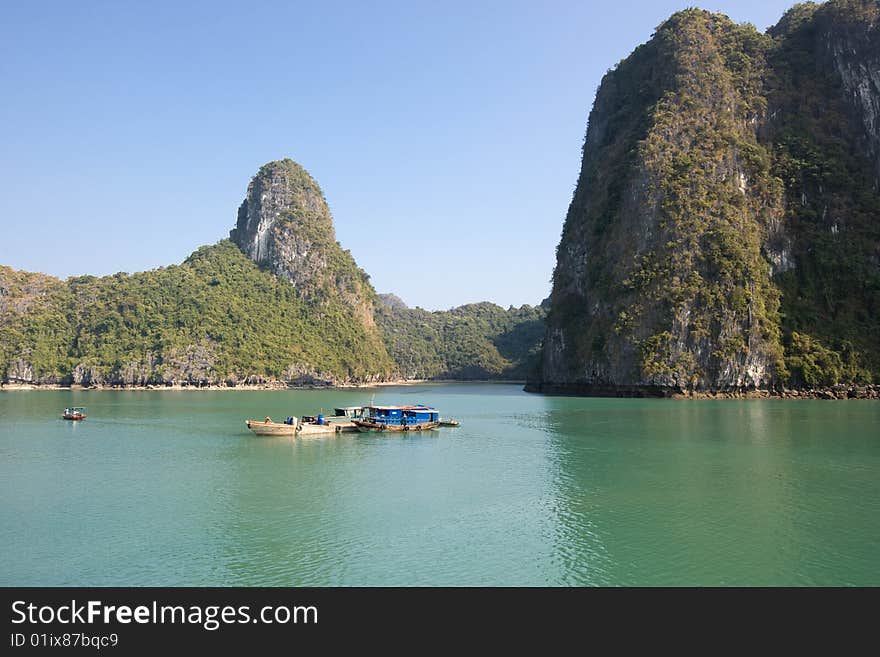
point(723, 237)
point(279, 303)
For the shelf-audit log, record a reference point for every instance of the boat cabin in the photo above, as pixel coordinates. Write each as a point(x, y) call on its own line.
point(350, 412)
point(405, 415)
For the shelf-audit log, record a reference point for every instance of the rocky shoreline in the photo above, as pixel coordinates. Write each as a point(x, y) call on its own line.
point(834, 392)
point(268, 385)
point(840, 391)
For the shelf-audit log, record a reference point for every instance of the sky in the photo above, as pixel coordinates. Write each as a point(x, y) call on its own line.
point(130, 130)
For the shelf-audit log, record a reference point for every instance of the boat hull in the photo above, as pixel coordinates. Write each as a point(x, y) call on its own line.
point(309, 429)
point(380, 427)
point(271, 428)
point(74, 418)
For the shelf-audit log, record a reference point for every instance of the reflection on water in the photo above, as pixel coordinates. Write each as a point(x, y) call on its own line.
point(170, 488)
point(716, 492)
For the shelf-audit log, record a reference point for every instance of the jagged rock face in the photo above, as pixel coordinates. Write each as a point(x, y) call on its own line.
point(672, 189)
point(392, 302)
point(304, 315)
point(839, 40)
point(278, 220)
point(217, 318)
point(711, 196)
point(284, 225)
point(850, 40)
point(823, 94)
point(21, 371)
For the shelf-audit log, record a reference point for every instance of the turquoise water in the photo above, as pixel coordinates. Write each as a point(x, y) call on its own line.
point(169, 488)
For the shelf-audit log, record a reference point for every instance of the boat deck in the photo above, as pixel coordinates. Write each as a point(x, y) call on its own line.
point(309, 429)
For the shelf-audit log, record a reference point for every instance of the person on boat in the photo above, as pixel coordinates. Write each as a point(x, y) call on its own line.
point(268, 419)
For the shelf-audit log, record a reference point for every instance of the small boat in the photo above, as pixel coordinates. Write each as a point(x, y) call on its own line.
point(397, 418)
point(339, 422)
point(450, 423)
point(75, 413)
point(269, 428)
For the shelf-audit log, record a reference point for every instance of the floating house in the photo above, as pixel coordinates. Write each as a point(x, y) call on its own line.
point(398, 418)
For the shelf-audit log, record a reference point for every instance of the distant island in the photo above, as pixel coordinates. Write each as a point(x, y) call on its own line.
point(723, 239)
point(279, 303)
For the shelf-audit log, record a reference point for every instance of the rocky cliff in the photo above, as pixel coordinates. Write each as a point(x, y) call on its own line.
point(723, 233)
point(285, 226)
point(279, 303)
point(822, 128)
point(284, 303)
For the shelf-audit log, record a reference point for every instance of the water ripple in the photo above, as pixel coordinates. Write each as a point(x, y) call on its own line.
point(158, 489)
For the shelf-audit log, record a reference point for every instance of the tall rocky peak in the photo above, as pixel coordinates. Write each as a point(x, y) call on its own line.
point(660, 280)
point(282, 219)
point(823, 94)
point(285, 226)
point(279, 303)
point(845, 37)
point(707, 226)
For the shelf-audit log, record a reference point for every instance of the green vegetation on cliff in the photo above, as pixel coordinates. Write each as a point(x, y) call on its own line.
point(660, 280)
point(285, 226)
point(35, 329)
point(716, 199)
point(280, 301)
point(724, 233)
point(219, 319)
point(215, 318)
point(831, 290)
point(475, 341)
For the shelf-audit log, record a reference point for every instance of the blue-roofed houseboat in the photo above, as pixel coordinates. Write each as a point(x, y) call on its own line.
point(398, 418)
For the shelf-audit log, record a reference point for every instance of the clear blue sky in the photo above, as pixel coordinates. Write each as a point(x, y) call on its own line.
point(129, 130)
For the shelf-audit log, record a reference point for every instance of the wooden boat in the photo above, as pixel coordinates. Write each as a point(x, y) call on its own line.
point(75, 413)
point(315, 429)
point(339, 422)
point(367, 426)
point(269, 428)
point(397, 418)
point(450, 423)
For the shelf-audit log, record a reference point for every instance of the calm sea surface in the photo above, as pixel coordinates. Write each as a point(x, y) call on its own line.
point(170, 488)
